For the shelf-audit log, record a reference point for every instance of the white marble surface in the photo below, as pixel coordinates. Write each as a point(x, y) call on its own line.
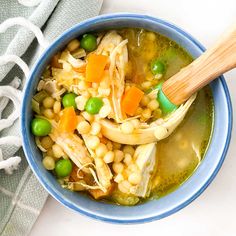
point(213, 213)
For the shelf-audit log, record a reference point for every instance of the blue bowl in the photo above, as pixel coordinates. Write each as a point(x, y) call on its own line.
point(152, 210)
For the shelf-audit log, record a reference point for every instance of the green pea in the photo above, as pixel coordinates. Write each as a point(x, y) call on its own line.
point(158, 67)
point(68, 100)
point(63, 168)
point(93, 105)
point(88, 42)
point(40, 127)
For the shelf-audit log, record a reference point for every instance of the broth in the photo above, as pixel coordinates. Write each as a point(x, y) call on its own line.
point(177, 155)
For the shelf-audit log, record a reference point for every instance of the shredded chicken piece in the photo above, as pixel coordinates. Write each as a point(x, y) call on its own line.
point(115, 47)
point(102, 169)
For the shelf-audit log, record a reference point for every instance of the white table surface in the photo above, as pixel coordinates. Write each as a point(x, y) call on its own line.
point(213, 213)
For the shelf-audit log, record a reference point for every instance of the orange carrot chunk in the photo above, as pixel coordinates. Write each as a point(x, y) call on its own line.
point(131, 100)
point(68, 120)
point(95, 67)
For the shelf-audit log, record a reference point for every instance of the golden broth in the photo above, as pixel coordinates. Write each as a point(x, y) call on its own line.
point(180, 154)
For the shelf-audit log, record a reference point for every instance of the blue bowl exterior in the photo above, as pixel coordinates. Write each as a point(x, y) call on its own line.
point(152, 210)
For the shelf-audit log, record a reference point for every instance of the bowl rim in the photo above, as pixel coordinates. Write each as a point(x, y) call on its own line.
point(52, 192)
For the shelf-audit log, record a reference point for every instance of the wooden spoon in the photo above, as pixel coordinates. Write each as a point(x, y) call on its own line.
point(215, 61)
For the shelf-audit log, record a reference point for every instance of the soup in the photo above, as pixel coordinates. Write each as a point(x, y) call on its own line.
point(98, 122)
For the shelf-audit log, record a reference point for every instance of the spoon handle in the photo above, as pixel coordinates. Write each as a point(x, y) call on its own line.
point(212, 63)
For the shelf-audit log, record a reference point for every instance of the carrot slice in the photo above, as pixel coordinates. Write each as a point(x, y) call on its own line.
point(68, 120)
point(95, 67)
point(131, 100)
